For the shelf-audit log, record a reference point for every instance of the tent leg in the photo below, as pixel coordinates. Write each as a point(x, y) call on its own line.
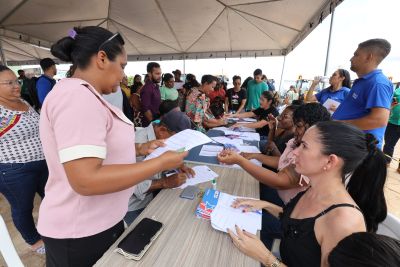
point(329, 44)
point(3, 58)
point(283, 70)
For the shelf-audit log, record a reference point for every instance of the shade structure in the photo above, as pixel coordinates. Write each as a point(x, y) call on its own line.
point(164, 29)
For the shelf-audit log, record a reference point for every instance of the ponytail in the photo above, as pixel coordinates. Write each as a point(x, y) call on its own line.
point(364, 161)
point(367, 183)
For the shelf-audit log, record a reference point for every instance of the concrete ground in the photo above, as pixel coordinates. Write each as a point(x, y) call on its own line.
point(31, 259)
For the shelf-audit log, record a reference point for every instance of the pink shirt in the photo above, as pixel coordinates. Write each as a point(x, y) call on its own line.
point(76, 122)
point(286, 159)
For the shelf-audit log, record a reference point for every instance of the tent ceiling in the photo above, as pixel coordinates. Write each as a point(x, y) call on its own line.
point(164, 29)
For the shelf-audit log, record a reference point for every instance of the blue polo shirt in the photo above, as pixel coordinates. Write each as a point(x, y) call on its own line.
point(373, 90)
point(338, 95)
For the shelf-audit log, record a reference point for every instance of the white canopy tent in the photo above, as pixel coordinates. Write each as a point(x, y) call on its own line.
point(163, 29)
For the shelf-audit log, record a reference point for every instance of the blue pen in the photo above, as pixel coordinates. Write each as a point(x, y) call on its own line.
point(258, 212)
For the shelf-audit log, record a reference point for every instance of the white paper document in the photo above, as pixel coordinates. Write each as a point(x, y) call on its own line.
point(185, 140)
point(248, 136)
point(329, 103)
point(254, 161)
point(210, 150)
point(248, 149)
point(226, 140)
point(224, 216)
point(249, 119)
point(202, 174)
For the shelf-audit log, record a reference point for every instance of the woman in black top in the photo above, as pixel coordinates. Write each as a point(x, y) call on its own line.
point(313, 221)
point(268, 104)
point(235, 97)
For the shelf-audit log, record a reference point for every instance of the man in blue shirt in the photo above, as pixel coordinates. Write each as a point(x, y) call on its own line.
point(46, 82)
point(368, 104)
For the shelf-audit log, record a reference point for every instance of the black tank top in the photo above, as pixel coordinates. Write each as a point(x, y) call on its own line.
point(299, 246)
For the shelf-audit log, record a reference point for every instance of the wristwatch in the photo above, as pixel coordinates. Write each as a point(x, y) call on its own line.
point(276, 263)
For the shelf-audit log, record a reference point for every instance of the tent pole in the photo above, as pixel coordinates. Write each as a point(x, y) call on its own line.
point(184, 65)
point(3, 58)
point(283, 70)
point(329, 44)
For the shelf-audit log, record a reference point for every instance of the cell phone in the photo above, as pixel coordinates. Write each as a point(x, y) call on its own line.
point(139, 240)
point(189, 192)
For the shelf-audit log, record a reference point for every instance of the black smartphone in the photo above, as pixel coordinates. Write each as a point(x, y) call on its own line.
point(137, 242)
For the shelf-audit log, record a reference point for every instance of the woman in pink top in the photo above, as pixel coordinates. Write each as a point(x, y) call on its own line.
point(285, 184)
point(90, 150)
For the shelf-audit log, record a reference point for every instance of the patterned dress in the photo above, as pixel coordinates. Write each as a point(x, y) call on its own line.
point(197, 108)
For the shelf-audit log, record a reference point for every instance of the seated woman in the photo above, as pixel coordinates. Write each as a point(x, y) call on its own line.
point(366, 249)
point(267, 106)
point(280, 187)
point(339, 88)
point(312, 222)
point(198, 105)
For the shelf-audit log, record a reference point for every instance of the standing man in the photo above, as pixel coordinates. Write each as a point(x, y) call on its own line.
point(23, 82)
point(46, 82)
point(150, 94)
point(254, 90)
point(368, 104)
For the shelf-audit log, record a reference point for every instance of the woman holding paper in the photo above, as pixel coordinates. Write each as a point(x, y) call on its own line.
point(268, 104)
point(90, 150)
point(338, 90)
point(312, 222)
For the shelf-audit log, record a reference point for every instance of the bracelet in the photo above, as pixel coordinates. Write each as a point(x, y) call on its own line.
point(276, 263)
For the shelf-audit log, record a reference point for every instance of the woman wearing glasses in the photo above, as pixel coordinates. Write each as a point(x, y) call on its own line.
point(23, 170)
point(90, 150)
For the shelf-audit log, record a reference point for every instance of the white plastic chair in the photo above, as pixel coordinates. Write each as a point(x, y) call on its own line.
point(390, 227)
point(7, 248)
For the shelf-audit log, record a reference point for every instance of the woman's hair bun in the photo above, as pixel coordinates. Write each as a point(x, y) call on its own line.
point(63, 49)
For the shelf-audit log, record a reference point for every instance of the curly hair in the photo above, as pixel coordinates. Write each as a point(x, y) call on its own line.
point(311, 113)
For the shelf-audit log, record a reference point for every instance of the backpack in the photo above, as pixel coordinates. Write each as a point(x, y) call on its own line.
point(31, 88)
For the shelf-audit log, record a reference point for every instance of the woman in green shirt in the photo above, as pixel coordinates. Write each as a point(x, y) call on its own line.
point(167, 90)
point(392, 133)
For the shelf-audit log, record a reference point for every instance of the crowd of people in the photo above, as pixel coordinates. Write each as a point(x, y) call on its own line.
point(318, 170)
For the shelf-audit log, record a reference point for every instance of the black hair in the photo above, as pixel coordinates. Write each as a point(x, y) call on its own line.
point(246, 81)
point(217, 107)
point(311, 113)
point(207, 79)
point(167, 105)
point(347, 81)
point(4, 68)
point(292, 107)
point(86, 43)
point(236, 77)
point(151, 66)
point(298, 102)
point(364, 161)
point(379, 47)
point(270, 96)
point(136, 76)
point(365, 249)
point(20, 71)
point(166, 77)
point(257, 72)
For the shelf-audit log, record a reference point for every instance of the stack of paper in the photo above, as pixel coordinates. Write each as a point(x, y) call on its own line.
point(249, 119)
point(224, 216)
point(184, 140)
point(202, 174)
point(216, 206)
point(210, 150)
point(225, 140)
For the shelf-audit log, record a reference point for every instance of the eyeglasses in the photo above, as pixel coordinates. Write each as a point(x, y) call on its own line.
point(115, 35)
point(13, 83)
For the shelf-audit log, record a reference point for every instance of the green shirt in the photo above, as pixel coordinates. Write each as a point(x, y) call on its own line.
point(168, 93)
point(395, 112)
point(254, 91)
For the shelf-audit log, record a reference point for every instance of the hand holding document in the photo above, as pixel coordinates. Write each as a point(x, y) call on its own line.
point(202, 174)
point(329, 103)
point(182, 141)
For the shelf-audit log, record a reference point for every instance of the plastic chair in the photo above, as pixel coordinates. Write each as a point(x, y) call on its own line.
point(7, 248)
point(390, 227)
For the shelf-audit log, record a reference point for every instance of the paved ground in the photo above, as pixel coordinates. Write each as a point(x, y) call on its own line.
point(31, 259)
